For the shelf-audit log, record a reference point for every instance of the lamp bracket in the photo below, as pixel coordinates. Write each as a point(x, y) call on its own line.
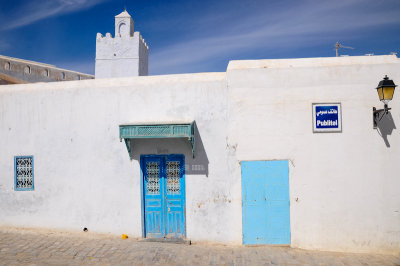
point(379, 114)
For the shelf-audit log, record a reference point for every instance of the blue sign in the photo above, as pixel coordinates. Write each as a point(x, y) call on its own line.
point(327, 117)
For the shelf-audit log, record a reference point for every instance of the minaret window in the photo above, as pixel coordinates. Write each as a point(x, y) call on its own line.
point(123, 29)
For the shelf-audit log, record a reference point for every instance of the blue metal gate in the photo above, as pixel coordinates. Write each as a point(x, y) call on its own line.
point(164, 195)
point(265, 196)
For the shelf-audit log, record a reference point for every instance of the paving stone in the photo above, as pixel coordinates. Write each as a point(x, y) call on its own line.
point(40, 247)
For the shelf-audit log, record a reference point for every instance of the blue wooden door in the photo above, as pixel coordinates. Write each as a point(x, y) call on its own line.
point(164, 195)
point(175, 196)
point(265, 196)
point(154, 196)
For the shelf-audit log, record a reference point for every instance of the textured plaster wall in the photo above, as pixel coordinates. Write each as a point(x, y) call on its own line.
point(143, 57)
point(24, 71)
point(344, 187)
point(83, 175)
point(121, 56)
point(4, 82)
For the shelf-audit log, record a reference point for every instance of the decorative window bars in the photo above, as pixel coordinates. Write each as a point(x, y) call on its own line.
point(23, 166)
point(173, 175)
point(153, 178)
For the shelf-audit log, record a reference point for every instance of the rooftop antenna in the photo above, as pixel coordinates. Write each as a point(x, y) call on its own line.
point(338, 45)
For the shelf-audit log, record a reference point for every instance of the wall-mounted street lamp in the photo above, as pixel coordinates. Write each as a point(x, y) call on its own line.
point(385, 92)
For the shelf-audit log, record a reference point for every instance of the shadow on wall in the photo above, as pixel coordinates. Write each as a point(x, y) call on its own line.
point(193, 166)
point(385, 127)
point(199, 164)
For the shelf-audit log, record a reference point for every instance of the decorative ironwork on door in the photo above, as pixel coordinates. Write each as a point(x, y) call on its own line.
point(164, 195)
point(173, 175)
point(153, 178)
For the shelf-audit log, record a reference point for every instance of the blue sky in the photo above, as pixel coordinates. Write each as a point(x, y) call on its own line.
point(199, 36)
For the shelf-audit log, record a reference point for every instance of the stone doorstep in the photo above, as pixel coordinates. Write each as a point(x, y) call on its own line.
point(168, 240)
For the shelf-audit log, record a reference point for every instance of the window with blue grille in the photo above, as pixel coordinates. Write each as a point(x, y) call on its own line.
point(23, 167)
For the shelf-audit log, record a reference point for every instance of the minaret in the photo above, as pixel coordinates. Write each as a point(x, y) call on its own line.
point(124, 25)
point(125, 55)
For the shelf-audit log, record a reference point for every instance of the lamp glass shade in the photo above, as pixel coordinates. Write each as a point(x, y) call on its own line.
point(388, 93)
point(385, 93)
point(380, 93)
point(386, 89)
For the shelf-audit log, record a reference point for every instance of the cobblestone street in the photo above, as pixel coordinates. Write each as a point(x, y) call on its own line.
point(45, 247)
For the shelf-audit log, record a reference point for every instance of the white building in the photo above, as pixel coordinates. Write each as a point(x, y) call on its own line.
point(227, 157)
point(20, 71)
point(125, 55)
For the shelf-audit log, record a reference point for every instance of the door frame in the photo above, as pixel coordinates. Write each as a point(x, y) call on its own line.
point(142, 189)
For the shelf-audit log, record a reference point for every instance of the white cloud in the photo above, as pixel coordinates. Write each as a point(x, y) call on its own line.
point(33, 11)
point(292, 26)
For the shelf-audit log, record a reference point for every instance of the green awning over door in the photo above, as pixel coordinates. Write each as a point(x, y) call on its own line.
point(157, 130)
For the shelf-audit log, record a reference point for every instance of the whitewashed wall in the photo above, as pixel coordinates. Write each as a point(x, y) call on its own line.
point(347, 184)
point(83, 175)
point(121, 56)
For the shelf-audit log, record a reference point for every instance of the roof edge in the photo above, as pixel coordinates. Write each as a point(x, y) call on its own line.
point(312, 62)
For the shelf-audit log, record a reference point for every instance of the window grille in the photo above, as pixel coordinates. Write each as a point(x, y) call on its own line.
point(153, 178)
point(23, 172)
point(173, 175)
